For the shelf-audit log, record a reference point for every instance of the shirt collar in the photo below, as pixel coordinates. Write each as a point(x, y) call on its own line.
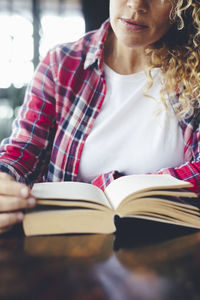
point(96, 48)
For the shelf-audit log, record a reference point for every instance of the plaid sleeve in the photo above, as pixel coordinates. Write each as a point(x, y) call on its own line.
point(103, 180)
point(188, 172)
point(22, 154)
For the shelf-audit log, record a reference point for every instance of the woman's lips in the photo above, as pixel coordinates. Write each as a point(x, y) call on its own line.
point(133, 25)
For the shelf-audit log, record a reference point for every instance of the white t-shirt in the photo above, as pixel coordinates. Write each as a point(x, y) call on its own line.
point(132, 133)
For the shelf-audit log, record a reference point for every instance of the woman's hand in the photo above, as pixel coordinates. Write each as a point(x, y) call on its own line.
point(14, 197)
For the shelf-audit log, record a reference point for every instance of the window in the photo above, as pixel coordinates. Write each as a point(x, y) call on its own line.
point(60, 29)
point(60, 21)
point(16, 51)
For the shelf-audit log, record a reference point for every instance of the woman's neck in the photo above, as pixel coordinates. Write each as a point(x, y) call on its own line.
point(122, 59)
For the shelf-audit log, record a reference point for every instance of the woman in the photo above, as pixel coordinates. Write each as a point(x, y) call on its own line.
point(135, 77)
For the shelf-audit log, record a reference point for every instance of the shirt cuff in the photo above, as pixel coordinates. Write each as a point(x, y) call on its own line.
point(11, 171)
point(103, 180)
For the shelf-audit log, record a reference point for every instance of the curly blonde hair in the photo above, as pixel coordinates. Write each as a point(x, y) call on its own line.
point(177, 54)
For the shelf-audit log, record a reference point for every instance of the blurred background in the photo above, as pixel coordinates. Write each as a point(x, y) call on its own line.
point(28, 28)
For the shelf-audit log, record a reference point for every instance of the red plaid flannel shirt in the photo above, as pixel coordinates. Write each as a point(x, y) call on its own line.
point(60, 106)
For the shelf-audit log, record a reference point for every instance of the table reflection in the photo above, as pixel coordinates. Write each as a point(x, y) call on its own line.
point(92, 267)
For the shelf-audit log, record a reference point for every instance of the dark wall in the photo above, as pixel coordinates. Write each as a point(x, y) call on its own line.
point(95, 13)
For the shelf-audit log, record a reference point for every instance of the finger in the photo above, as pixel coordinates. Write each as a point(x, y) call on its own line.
point(14, 189)
point(6, 176)
point(14, 203)
point(9, 219)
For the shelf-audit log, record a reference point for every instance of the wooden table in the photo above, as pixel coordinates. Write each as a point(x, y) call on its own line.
point(139, 262)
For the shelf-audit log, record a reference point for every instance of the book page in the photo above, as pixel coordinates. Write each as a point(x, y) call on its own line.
point(172, 195)
point(70, 191)
point(71, 204)
point(123, 187)
point(68, 221)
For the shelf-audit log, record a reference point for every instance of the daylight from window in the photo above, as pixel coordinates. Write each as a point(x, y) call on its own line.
point(56, 30)
point(16, 51)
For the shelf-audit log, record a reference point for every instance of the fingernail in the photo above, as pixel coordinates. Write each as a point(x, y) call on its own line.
point(20, 216)
point(24, 192)
point(31, 201)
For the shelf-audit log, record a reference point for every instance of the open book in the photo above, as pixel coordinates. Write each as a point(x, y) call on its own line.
point(76, 207)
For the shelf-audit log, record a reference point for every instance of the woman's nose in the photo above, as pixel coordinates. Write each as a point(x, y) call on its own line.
point(138, 5)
